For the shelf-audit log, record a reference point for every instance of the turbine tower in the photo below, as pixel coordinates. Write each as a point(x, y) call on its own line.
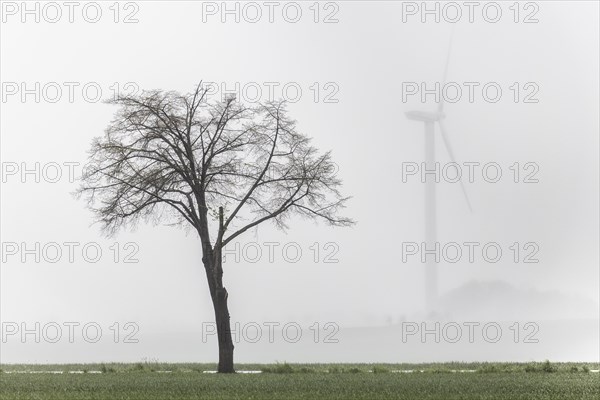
point(429, 119)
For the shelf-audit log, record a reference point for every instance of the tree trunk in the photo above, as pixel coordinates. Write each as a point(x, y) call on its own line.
point(223, 331)
point(213, 265)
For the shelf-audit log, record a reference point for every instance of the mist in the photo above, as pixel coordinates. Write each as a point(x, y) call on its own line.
point(349, 86)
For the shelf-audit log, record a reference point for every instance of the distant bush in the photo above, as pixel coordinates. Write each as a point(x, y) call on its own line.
point(489, 368)
point(104, 369)
point(380, 370)
point(547, 367)
point(438, 370)
point(531, 367)
point(585, 369)
point(284, 368)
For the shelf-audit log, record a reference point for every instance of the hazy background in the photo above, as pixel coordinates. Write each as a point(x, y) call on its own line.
point(369, 292)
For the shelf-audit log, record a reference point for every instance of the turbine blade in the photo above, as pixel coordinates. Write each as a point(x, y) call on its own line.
point(441, 105)
point(451, 153)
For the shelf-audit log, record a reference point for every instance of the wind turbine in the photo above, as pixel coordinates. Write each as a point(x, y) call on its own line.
point(429, 119)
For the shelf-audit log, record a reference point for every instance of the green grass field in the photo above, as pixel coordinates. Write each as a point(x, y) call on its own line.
point(303, 381)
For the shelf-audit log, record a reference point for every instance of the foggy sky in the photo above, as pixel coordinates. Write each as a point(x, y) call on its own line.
point(367, 55)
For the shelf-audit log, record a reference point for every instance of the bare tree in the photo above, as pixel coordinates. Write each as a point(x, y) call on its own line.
point(220, 167)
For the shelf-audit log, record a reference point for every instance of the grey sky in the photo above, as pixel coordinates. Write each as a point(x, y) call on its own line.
point(365, 58)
